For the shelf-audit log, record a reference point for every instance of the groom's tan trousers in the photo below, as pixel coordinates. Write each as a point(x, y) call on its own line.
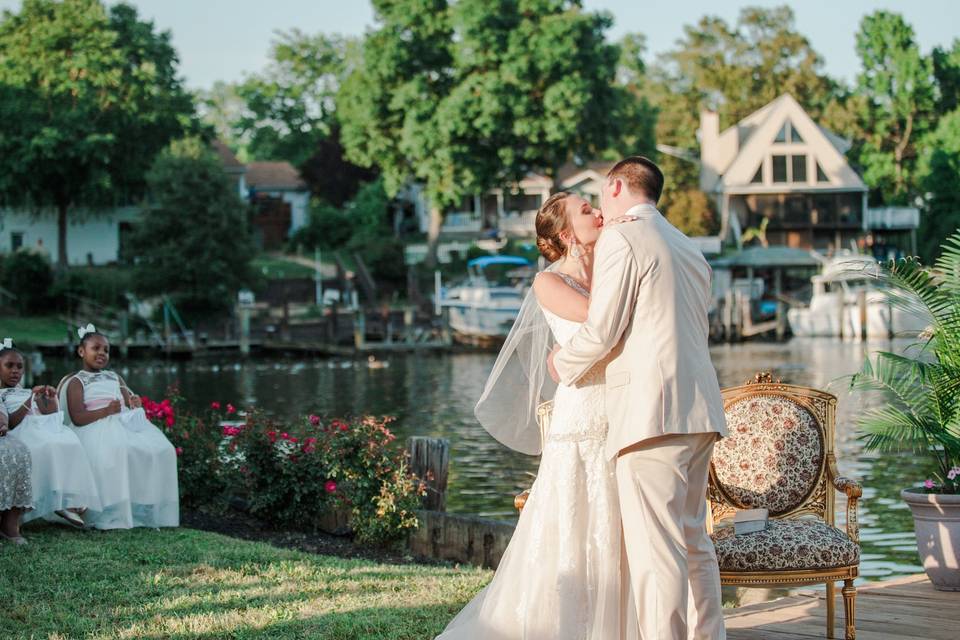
point(674, 578)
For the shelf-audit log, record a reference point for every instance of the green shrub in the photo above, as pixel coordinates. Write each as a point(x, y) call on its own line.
point(28, 275)
point(294, 474)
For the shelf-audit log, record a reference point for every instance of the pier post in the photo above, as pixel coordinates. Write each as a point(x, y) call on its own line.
point(862, 308)
point(430, 461)
point(244, 330)
point(445, 335)
point(728, 315)
point(359, 329)
point(781, 312)
point(408, 324)
point(841, 313)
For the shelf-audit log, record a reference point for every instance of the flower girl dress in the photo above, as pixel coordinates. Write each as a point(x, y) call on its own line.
point(134, 464)
point(61, 474)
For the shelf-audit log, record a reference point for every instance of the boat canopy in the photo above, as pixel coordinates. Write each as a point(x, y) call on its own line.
point(486, 261)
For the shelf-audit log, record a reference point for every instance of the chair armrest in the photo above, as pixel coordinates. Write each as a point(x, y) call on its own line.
point(853, 490)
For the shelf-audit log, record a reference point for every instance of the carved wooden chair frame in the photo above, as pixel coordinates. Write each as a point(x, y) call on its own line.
point(820, 502)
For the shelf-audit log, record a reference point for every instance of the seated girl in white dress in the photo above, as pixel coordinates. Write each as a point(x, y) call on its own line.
point(61, 476)
point(134, 464)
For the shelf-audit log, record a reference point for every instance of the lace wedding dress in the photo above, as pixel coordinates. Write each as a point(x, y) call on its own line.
point(559, 578)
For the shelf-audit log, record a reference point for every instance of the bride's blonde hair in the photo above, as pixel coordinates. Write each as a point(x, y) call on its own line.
point(551, 222)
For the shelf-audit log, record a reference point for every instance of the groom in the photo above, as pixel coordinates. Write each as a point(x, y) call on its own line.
point(648, 321)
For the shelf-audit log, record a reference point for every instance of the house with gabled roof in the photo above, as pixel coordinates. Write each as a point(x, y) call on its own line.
point(779, 168)
point(99, 236)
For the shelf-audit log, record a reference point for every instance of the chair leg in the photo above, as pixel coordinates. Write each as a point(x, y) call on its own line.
point(850, 610)
point(831, 603)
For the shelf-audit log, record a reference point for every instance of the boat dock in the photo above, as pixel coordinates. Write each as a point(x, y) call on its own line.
point(902, 609)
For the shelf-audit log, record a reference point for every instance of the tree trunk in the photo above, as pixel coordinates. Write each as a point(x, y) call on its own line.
point(62, 208)
point(433, 235)
point(898, 153)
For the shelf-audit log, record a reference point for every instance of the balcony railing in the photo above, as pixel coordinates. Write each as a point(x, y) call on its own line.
point(520, 224)
point(892, 218)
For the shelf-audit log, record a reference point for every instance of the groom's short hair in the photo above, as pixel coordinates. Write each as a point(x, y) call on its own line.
point(641, 176)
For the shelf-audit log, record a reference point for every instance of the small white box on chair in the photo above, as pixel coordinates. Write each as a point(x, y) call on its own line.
point(750, 521)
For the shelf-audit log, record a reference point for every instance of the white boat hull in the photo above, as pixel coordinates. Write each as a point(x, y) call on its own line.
point(823, 318)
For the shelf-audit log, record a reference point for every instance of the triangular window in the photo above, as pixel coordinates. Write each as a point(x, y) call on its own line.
point(821, 175)
point(794, 134)
point(782, 134)
point(758, 176)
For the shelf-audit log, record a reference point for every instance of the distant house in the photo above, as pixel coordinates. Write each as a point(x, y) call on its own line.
point(280, 196)
point(778, 165)
point(97, 236)
point(94, 236)
point(512, 211)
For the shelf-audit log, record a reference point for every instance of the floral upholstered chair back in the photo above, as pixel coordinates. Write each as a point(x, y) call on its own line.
point(776, 454)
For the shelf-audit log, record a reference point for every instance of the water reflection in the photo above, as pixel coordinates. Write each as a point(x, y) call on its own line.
point(434, 395)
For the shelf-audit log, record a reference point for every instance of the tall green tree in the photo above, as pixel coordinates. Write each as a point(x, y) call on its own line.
point(193, 242)
point(466, 97)
point(290, 105)
point(87, 98)
point(388, 106)
point(946, 72)
point(939, 169)
point(897, 84)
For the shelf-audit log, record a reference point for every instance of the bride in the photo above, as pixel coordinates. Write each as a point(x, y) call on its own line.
point(560, 575)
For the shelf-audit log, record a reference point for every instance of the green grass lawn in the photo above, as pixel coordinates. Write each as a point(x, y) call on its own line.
point(183, 583)
point(33, 329)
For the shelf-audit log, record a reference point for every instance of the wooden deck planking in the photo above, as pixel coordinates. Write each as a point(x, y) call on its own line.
point(903, 609)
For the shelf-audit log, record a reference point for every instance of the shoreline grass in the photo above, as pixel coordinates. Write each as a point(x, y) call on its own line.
point(184, 583)
point(31, 330)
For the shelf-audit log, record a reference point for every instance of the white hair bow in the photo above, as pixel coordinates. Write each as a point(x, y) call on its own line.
point(82, 331)
point(7, 343)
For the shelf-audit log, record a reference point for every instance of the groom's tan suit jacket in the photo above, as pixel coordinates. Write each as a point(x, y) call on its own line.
point(648, 318)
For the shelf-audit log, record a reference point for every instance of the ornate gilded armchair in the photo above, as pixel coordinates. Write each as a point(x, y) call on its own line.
point(780, 456)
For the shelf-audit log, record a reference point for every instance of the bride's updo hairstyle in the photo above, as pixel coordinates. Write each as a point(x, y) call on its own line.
point(551, 222)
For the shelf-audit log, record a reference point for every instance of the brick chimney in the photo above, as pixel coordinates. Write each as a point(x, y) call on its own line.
point(709, 150)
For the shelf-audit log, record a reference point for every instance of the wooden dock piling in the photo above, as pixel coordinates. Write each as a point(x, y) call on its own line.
point(430, 461)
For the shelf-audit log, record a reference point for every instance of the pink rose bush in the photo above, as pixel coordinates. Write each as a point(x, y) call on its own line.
point(293, 473)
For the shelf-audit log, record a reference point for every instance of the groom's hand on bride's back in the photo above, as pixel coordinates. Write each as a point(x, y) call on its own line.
point(550, 366)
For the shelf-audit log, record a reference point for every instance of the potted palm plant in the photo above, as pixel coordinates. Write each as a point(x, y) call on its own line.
point(922, 415)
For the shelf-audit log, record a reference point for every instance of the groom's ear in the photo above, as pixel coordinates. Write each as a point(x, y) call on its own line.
point(617, 187)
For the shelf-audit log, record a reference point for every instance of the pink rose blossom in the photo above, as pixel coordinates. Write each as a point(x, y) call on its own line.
point(179, 450)
point(231, 409)
point(330, 486)
point(314, 420)
point(928, 483)
point(214, 405)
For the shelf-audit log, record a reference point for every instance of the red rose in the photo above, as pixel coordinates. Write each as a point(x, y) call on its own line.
point(179, 450)
point(330, 486)
point(231, 409)
point(314, 420)
point(214, 405)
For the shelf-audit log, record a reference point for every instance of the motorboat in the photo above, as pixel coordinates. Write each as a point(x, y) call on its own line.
point(848, 288)
point(484, 307)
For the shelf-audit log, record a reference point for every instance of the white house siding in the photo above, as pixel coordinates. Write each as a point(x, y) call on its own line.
point(92, 238)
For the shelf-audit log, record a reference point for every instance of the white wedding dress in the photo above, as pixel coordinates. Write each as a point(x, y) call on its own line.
point(559, 578)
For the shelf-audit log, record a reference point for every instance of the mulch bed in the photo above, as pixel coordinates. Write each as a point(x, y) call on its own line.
point(235, 524)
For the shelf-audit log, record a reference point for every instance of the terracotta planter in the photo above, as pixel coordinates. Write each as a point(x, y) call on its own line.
point(936, 520)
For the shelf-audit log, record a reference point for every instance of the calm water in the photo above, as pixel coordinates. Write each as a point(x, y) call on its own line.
point(434, 395)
